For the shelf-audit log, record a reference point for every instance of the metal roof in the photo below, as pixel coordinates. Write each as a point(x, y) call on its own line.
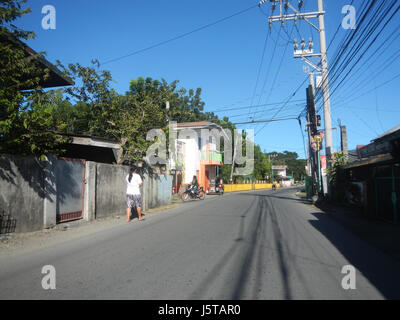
point(387, 133)
point(56, 77)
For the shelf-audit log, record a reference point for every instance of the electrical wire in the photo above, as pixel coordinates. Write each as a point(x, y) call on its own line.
point(260, 105)
point(286, 102)
point(381, 16)
point(277, 73)
point(259, 72)
point(180, 36)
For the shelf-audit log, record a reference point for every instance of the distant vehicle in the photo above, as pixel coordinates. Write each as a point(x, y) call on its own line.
point(190, 193)
point(219, 188)
point(216, 187)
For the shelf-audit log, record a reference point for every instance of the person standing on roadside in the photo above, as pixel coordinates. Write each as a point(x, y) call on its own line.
point(133, 196)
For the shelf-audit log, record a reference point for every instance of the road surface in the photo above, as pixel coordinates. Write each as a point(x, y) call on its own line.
point(248, 245)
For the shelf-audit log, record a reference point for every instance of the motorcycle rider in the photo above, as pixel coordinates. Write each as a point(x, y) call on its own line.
point(220, 183)
point(195, 185)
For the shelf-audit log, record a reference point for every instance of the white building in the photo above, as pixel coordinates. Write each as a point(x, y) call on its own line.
point(280, 175)
point(279, 171)
point(196, 157)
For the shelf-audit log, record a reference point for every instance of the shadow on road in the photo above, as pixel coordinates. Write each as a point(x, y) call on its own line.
point(248, 251)
point(215, 272)
point(382, 271)
point(273, 195)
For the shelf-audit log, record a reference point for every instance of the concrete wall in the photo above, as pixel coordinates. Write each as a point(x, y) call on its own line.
point(164, 192)
point(28, 191)
point(22, 193)
point(156, 191)
point(110, 189)
point(248, 186)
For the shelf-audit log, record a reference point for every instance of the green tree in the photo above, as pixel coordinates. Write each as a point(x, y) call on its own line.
point(25, 109)
point(290, 159)
point(262, 166)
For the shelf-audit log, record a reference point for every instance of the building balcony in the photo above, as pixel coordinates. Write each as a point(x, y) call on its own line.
point(211, 157)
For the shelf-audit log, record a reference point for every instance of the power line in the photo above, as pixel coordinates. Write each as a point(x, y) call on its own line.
point(263, 111)
point(374, 88)
point(267, 73)
point(266, 120)
point(278, 71)
point(362, 55)
point(287, 101)
point(365, 30)
point(259, 72)
point(304, 142)
point(260, 105)
point(180, 36)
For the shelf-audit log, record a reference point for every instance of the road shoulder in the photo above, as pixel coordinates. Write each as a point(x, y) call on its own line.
point(380, 234)
point(20, 243)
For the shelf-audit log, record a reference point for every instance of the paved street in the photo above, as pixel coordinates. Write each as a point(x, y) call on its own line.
point(248, 245)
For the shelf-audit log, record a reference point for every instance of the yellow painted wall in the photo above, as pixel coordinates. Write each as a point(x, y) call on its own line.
point(237, 187)
point(247, 187)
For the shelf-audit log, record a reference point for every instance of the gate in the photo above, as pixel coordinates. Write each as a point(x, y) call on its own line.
point(70, 186)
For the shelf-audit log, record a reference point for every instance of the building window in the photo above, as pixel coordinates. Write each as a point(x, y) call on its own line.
point(199, 142)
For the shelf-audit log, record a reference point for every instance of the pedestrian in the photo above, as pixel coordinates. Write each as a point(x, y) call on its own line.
point(133, 196)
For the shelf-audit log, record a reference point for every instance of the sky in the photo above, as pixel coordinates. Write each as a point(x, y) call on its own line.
point(225, 60)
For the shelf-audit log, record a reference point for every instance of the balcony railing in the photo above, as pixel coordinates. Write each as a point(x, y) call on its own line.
point(211, 156)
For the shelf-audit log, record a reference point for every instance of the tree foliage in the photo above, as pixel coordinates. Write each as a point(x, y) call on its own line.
point(30, 119)
point(290, 159)
point(25, 115)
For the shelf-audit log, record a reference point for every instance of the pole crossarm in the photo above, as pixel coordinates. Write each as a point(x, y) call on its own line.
point(310, 63)
point(297, 16)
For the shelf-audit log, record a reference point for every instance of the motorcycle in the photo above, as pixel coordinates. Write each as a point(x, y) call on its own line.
point(273, 187)
point(191, 194)
point(219, 189)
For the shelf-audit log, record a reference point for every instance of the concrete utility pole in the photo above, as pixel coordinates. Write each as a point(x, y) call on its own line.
point(309, 120)
point(343, 141)
point(325, 84)
point(234, 156)
point(306, 53)
point(312, 123)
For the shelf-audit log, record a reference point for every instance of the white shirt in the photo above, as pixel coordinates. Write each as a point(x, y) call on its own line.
point(133, 186)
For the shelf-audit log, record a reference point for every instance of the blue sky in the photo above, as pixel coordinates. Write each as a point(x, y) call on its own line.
point(223, 60)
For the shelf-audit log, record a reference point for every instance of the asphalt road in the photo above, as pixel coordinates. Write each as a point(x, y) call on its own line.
point(248, 245)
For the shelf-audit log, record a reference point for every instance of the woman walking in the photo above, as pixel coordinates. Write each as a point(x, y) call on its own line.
point(133, 197)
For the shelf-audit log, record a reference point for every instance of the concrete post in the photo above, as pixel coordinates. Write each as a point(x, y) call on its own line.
point(144, 191)
point(89, 210)
point(50, 193)
point(343, 142)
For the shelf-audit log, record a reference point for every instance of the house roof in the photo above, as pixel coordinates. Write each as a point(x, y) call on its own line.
point(378, 159)
point(56, 77)
point(91, 148)
point(200, 125)
point(197, 124)
point(392, 131)
point(91, 140)
point(280, 167)
point(353, 155)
